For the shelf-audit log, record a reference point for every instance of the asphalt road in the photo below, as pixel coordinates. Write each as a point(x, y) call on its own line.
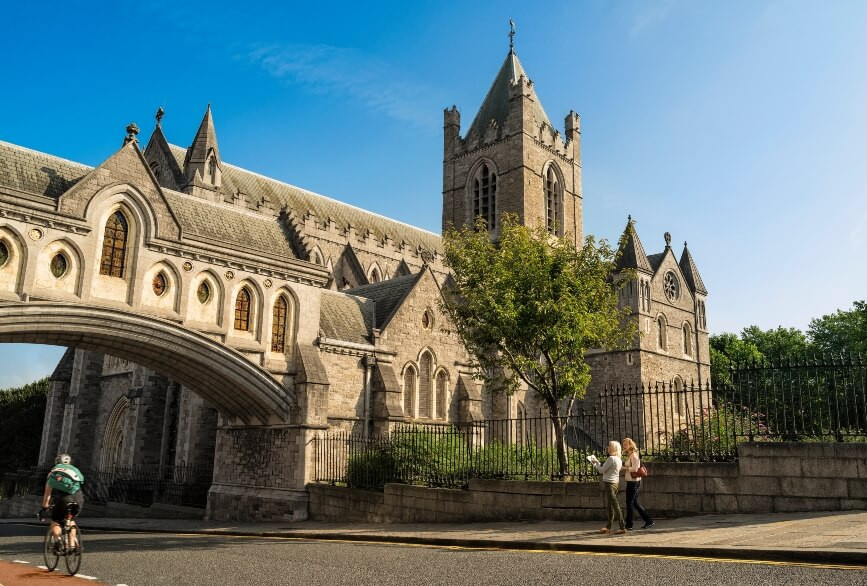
point(140, 559)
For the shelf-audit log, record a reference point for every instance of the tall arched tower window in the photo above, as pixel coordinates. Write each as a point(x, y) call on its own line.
point(409, 391)
point(442, 383)
point(242, 311)
point(425, 374)
point(661, 335)
point(552, 201)
point(485, 195)
point(687, 339)
point(114, 245)
point(278, 325)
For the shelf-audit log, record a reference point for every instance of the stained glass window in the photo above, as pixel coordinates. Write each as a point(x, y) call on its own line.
point(409, 392)
point(485, 195)
point(4, 253)
point(160, 284)
point(203, 292)
point(242, 311)
point(424, 384)
point(114, 246)
point(59, 265)
point(278, 327)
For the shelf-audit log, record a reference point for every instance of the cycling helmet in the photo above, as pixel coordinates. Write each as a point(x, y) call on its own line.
point(63, 459)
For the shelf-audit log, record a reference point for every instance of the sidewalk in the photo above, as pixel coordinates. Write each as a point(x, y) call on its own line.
point(827, 538)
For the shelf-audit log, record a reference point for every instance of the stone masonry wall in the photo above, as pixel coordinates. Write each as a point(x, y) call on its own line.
point(769, 477)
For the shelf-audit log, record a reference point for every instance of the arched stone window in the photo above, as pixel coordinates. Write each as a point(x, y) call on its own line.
point(374, 277)
point(242, 310)
point(485, 195)
point(212, 169)
point(278, 325)
point(662, 338)
point(155, 169)
point(425, 379)
point(59, 265)
point(702, 317)
point(160, 284)
point(687, 339)
point(112, 438)
point(114, 245)
point(4, 253)
point(316, 257)
point(552, 201)
point(409, 391)
point(442, 390)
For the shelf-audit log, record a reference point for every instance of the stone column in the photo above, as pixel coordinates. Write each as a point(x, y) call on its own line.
point(147, 405)
point(82, 406)
point(196, 431)
point(54, 409)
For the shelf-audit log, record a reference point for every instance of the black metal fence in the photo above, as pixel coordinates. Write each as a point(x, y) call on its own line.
point(138, 485)
point(821, 399)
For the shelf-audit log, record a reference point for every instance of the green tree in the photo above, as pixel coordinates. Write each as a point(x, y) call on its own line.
point(727, 350)
point(777, 343)
point(841, 332)
point(529, 307)
point(22, 410)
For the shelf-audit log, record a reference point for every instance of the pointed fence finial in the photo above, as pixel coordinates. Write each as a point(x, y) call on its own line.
point(159, 116)
point(511, 35)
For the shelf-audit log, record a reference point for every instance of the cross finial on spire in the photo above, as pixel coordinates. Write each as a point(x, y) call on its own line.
point(159, 116)
point(511, 35)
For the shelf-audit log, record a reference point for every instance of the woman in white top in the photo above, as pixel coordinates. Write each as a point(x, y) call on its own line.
point(610, 471)
point(633, 485)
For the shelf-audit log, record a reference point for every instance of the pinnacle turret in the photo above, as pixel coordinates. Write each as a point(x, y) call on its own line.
point(202, 165)
point(631, 254)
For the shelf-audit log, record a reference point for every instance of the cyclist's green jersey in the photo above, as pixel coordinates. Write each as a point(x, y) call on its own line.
point(65, 478)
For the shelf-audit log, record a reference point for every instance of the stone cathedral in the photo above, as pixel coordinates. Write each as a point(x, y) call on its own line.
point(338, 305)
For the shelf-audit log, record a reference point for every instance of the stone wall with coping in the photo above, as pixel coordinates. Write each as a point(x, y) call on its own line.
point(768, 478)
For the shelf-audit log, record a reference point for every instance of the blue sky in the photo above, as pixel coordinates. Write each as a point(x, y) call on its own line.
point(739, 126)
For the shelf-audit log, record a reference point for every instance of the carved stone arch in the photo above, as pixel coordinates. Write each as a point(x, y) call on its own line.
point(552, 197)
point(170, 299)
point(409, 383)
point(113, 435)
point(72, 280)
point(316, 256)
point(442, 392)
point(256, 305)
point(289, 325)
point(471, 195)
point(211, 310)
point(139, 208)
point(374, 273)
point(662, 331)
point(12, 270)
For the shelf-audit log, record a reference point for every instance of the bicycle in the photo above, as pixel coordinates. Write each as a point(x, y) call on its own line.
point(53, 550)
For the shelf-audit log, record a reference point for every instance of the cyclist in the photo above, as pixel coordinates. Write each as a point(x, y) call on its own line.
point(62, 489)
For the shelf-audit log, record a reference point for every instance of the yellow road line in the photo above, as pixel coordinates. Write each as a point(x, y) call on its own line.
point(519, 550)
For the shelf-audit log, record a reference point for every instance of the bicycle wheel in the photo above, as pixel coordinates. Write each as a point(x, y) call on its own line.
point(73, 553)
point(48, 552)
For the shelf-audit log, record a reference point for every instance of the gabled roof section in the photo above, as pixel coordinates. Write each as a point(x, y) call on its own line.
point(690, 272)
point(496, 103)
point(631, 252)
point(38, 173)
point(159, 144)
point(388, 295)
point(346, 317)
point(301, 201)
point(655, 260)
point(204, 142)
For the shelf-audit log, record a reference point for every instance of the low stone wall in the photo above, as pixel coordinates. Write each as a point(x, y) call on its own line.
point(768, 477)
point(24, 507)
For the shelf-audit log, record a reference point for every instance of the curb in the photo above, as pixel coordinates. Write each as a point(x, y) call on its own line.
point(810, 556)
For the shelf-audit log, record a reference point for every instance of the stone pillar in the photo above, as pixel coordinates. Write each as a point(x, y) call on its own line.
point(196, 431)
point(386, 397)
point(55, 407)
point(144, 423)
point(260, 472)
point(82, 407)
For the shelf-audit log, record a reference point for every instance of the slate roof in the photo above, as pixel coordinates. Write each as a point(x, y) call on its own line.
point(655, 260)
point(387, 295)
point(496, 103)
point(632, 255)
point(38, 173)
point(235, 229)
point(346, 317)
point(690, 272)
point(301, 201)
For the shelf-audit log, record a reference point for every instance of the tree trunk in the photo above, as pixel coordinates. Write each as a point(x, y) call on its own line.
point(559, 437)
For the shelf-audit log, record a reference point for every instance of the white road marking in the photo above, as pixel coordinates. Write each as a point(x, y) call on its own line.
point(85, 577)
point(19, 562)
point(42, 567)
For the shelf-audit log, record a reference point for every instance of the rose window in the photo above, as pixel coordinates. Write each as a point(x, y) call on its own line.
point(671, 286)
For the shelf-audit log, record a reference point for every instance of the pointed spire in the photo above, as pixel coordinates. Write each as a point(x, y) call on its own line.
point(496, 103)
point(631, 253)
point(690, 272)
point(202, 166)
point(205, 140)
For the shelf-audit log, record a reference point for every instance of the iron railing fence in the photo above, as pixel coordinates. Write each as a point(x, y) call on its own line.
point(136, 485)
point(817, 399)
